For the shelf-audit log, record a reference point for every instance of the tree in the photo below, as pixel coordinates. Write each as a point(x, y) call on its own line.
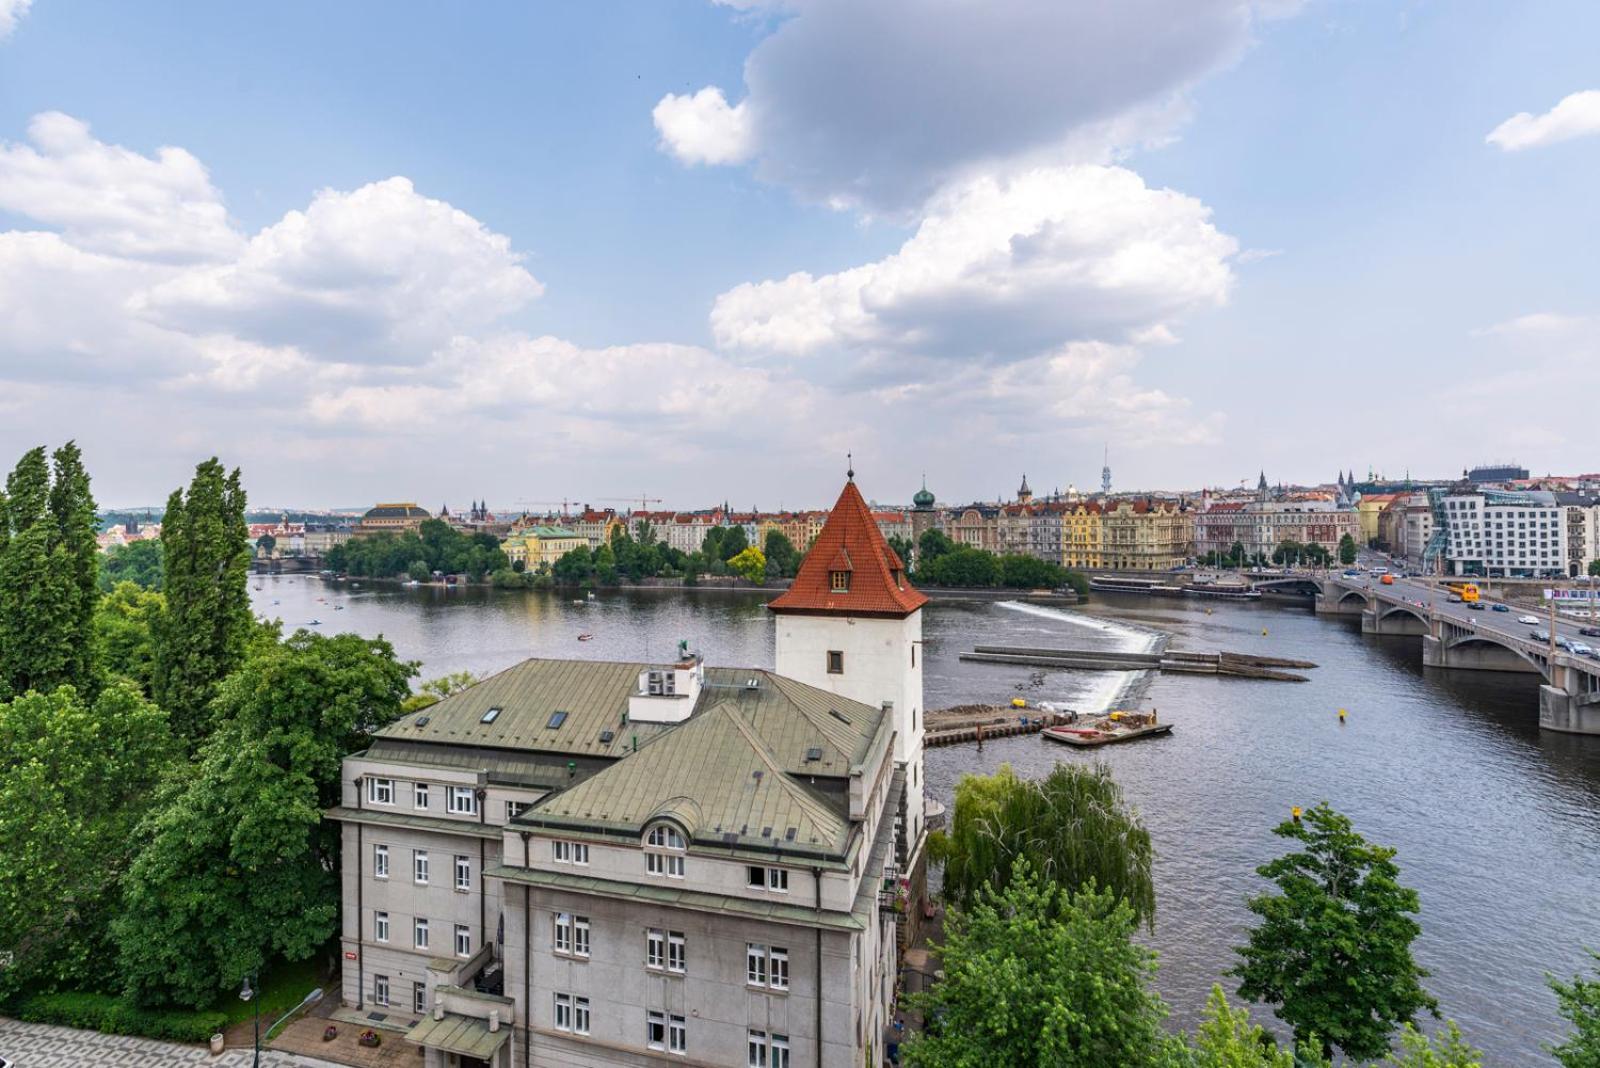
point(1347, 550)
point(780, 551)
point(605, 565)
point(265, 544)
point(1236, 554)
point(1579, 1003)
point(49, 574)
point(1022, 572)
point(961, 566)
point(1072, 825)
point(239, 868)
point(903, 547)
point(749, 563)
point(732, 543)
point(1039, 974)
point(1446, 1049)
point(138, 562)
point(125, 634)
point(1594, 568)
point(1333, 950)
point(419, 571)
point(574, 567)
point(75, 779)
point(206, 626)
point(1227, 1039)
point(933, 544)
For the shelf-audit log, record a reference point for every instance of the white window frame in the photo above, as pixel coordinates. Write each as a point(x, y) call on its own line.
point(419, 795)
point(419, 997)
point(655, 948)
point(380, 861)
point(677, 953)
point(766, 967)
point(655, 1029)
point(461, 801)
point(756, 1048)
point(580, 1015)
point(563, 1012)
point(561, 940)
point(463, 941)
point(515, 809)
point(580, 936)
point(463, 872)
point(677, 1035)
point(664, 849)
point(380, 791)
point(380, 990)
point(779, 1057)
point(419, 867)
point(420, 935)
point(380, 926)
point(565, 852)
point(755, 964)
point(778, 880)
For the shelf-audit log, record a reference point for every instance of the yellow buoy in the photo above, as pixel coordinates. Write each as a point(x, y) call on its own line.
point(1263, 630)
point(1295, 812)
point(1341, 715)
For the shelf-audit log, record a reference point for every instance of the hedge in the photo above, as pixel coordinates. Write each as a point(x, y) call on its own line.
point(113, 1016)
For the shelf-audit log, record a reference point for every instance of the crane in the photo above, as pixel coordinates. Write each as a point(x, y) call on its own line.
point(644, 501)
point(563, 502)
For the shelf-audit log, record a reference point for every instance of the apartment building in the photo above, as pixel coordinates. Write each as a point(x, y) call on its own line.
point(605, 864)
point(1503, 534)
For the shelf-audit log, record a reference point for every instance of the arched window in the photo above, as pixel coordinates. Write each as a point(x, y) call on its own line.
point(663, 851)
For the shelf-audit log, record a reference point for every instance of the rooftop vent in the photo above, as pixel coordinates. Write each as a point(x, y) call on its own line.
point(556, 720)
point(766, 832)
point(756, 774)
point(606, 736)
point(752, 683)
point(422, 721)
point(840, 716)
point(788, 836)
point(814, 753)
point(491, 715)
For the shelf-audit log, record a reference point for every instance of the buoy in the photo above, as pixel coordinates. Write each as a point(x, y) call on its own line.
point(1263, 630)
point(1341, 715)
point(1295, 812)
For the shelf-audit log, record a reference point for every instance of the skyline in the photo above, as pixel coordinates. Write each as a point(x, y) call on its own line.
point(650, 247)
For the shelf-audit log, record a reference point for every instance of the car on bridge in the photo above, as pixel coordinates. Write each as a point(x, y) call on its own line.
point(1541, 635)
point(1580, 649)
point(1501, 607)
point(1532, 621)
point(1589, 632)
point(1476, 606)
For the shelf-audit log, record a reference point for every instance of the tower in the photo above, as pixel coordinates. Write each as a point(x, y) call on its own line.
point(851, 624)
point(1105, 473)
point(1024, 494)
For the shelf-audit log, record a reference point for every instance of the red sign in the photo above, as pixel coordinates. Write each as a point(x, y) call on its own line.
point(349, 955)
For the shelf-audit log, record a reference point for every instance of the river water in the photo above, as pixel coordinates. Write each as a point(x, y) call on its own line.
point(1496, 823)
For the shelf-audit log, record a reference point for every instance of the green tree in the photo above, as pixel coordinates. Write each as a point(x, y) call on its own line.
point(207, 624)
point(265, 544)
point(1347, 550)
point(75, 779)
point(1227, 1039)
point(1333, 950)
point(239, 868)
point(933, 544)
point(1447, 1049)
point(1579, 1003)
point(1072, 825)
point(419, 571)
point(1594, 568)
point(575, 567)
point(780, 551)
point(749, 563)
point(125, 634)
point(961, 566)
point(1023, 572)
point(138, 562)
point(1037, 974)
point(732, 543)
point(605, 565)
point(49, 575)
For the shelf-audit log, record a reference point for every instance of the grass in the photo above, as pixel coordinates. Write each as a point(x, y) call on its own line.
point(281, 988)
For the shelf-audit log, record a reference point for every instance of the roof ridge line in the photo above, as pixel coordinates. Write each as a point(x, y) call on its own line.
point(802, 796)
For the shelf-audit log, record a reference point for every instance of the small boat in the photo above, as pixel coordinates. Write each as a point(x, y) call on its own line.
point(1119, 726)
point(338, 608)
point(585, 636)
point(355, 585)
point(274, 602)
point(413, 582)
point(577, 602)
point(314, 623)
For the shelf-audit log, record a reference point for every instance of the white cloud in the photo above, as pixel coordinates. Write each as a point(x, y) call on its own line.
point(702, 128)
point(110, 199)
point(378, 275)
point(1577, 115)
point(1536, 325)
point(11, 13)
point(880, 104)
point(1003, 267)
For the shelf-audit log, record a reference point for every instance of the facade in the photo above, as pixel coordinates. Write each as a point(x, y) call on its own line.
point(1144, 535)
point(1369, 512)
point(321, 537)
point(1500, 534)
point(595, 526)
point(1262, 523)
point(1081, 546)
point(602, 864)
point(1582, 518)
point(395, 517)
point(542, 545)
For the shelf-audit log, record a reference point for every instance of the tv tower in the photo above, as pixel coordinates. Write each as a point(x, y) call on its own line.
point(1105, 473)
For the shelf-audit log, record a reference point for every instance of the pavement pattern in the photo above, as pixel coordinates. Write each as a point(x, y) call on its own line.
point(30, 1045)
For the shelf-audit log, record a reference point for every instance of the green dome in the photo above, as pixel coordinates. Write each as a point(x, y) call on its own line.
point(922, 498)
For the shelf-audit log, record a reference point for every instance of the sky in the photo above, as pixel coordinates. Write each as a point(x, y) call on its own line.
point(700, 251)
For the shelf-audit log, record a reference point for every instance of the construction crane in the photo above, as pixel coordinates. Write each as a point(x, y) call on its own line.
point(644, 501)
point(563, 502)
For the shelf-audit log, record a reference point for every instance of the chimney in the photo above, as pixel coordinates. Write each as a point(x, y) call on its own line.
point(438, 1006)
point(494, 1020)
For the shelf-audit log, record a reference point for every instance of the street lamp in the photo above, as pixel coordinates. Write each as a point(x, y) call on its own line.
point(247, 994)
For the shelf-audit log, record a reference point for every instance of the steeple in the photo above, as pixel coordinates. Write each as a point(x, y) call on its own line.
point(850, 569)
point(1105, 472)
point(1024, 494)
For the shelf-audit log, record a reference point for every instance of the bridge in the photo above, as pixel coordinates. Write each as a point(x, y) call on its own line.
point(1459, 638)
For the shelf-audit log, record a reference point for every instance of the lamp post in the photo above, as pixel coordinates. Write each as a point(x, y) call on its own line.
point(247, 994)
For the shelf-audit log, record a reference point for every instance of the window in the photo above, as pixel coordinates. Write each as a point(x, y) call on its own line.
point(677, 1035)
point(755, 964)
point(669, 864)
point(515, 809)
point(835, 662)
point(766, 966)
point(655, 1029)
point(380, 791)
point(419, 866)
point(580, 936)
point(380, 862)
point(463, 873)
point(580, 1016)
point(463, 940)
point(563, 1012)
point(569, 852)
point(757, 1050)
point(419, 795)
point(677, 952)
point(380, 926)
point(758, 877)
point(556, 720)
point(420, 933)
point(380, 990)
point(780, 1052)
point(491, 715)
point(839, 581)
point(655, 948)
point(419, 997)
point(563, 935)
point(463, 800)
point(778, 972)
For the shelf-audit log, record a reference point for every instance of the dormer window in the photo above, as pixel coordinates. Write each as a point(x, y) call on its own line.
point(839, 581)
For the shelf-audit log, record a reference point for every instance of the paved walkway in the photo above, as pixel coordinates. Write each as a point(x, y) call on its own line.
point(31, 1045)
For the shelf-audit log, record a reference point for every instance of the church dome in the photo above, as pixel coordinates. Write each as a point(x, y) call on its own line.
point(922, 498)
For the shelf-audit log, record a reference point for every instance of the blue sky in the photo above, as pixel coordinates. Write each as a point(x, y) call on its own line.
point(701, 250)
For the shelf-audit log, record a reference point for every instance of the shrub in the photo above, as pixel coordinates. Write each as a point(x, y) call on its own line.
point(113, 1016)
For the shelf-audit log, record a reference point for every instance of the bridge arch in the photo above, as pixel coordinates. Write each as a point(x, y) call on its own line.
point(1489, 652)
point(1353, 595)
point(1385, 609)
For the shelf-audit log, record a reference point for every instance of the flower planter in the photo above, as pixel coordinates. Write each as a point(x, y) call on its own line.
point(369, 1037)
point(330, 1033)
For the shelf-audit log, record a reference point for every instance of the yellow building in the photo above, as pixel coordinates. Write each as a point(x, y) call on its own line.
point(542, 545)
point(1369, 509)
point(396, 517)
point(1081, 545)
point(1144, 536)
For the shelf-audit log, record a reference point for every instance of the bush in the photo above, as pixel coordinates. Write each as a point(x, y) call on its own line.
point(113, 1016)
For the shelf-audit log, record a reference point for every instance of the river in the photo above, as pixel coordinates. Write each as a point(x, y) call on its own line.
point(1496, 823)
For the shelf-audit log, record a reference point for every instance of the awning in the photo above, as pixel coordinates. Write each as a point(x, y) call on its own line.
point(466, 1035)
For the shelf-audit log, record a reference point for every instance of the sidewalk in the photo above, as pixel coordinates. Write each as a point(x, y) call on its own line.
point(30, 1045)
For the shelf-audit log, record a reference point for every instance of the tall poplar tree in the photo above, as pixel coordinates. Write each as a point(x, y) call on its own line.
point(47, 574)
point(203, 632)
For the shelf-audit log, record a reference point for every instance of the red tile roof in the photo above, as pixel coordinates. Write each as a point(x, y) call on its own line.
point(850, 536)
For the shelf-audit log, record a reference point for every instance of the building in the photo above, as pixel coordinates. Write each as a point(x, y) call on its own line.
point(1369, 510)
point(1582, 518)
point(1265, 521)
point(542, 546)
point(1496, 473)
point(1144, 535)
point(321, 537)
point(607, 864)
point(1501, 534)
point(595, 526)
point(395, 518)
point(1081, 546)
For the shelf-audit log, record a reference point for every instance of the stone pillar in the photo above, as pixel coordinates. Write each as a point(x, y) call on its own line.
point(1369, 621)
point(1434, 652)
point(1561, 711)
